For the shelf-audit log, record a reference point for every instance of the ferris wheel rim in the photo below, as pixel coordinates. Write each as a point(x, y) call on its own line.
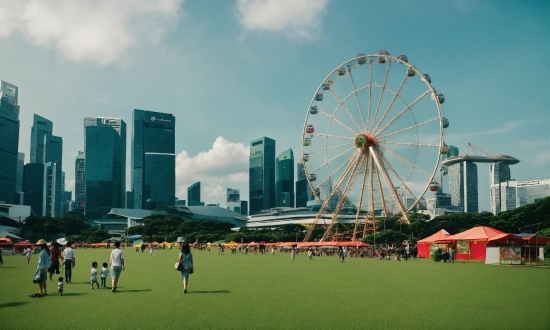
point(370, 60)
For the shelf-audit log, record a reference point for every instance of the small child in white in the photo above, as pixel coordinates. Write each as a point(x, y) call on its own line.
point(60, 286)
point(104, 273)
point(93, 278)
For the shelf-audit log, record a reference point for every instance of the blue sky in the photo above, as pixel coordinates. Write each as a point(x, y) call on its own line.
point(233, 71)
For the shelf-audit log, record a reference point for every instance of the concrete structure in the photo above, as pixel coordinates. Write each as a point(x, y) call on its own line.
point(514, 194)
point(278, 216)
point(41, 129)
point(153, 159)
point(285, 179)
point(9, 140)
point(233, 200)
point(261, 175)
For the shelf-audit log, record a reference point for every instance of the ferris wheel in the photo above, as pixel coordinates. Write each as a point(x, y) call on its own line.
point(372, 141)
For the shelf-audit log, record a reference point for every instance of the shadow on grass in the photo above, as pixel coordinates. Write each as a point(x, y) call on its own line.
point(74, 294)
point(135, 290)
point(13, 304)
point(210, 291)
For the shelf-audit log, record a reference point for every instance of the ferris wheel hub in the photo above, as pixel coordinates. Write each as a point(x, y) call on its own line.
point(364, 141)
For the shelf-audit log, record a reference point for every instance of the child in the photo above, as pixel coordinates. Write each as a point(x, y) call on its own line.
point(93, 278)
point(104, 273)
point(60, 286)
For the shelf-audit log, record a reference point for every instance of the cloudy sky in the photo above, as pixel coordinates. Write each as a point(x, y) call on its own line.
point(233, 71)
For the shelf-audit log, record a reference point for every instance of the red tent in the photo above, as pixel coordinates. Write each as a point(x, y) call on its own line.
point(352, 244)
point(4, 241)
point(23, 244)
point(424, 244)
point(472, 243)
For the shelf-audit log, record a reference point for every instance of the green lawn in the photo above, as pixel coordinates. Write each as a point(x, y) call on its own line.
point(274, 292)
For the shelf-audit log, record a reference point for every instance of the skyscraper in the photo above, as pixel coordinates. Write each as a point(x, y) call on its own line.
point(302, 186)
point(153, 159)
point(261, 175)
point(41, 129)
point(233, 198)
point(285, 179)
point(463, 186)
point(80, 181)
point(194, 194)
point(119, 126)
point(517, 194)
point(9, 140)
point(33, 187)
point(102, 171)
point(499, 172)
point(19, 179)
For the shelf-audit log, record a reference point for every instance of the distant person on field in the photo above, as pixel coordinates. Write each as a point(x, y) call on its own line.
point(151, 249)
point(186, 259)
point(117, 265)
point(55, 255)
point(1, 259)
point(93, 275)
point(451, 254)
point(60, 286)
point(42, 268)
point(104, 273)
point(28, 255)
point(69, 262)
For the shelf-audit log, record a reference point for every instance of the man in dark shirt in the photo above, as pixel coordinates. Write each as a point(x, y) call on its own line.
point(55, 255)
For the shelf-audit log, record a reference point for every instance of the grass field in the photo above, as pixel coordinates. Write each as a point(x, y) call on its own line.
point(274, 292)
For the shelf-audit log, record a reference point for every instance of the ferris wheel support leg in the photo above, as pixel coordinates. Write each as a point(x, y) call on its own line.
point(386, 177)
point(360, 201)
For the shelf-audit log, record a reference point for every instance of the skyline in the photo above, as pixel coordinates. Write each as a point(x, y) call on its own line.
point(220, 70)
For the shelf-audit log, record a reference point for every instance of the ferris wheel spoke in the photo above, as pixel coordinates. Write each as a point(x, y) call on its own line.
point(413, 144)
point(388, 181)
point(383, 200)
point(407, 108)
point(333, 136)
point(395, 95)
point(371, 196)
point(330, 148)
point(400, 180)
point(409, 128)
point(338, 121)
point(405, 161)
point(383, 89)
point(331, 160)
point(343, 105)
point(360, 206)
point(357, 100)
point(338, 168)
point(370, 93)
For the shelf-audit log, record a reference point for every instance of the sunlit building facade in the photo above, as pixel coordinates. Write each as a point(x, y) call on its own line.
point(285, 179)
point(261, 175)
point(9, 140)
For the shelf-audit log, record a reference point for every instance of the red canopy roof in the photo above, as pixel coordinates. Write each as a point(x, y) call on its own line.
point(352, 244)
point(435, 237)
point(476, 233)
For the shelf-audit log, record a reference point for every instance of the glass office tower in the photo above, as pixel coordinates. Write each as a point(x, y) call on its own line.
point(194, 194)
point(80, 181)
point(102, 171)
point(41, 129)
point(153, 159)
point(33, 187)
point(463, 186)
point(285, 179)
point(9, 140)
point(233, 200)
point(119, 126)
point(261, 175)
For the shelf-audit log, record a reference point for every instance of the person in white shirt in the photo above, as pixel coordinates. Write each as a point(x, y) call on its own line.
point(117, 264)
point(69, 261)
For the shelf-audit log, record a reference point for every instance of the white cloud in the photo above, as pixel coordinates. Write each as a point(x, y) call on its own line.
point(97, 30)
point(69, 186)
point(224, 166)
point(296, 18)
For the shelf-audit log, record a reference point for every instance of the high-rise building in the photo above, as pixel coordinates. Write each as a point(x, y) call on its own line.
point(233, 200)
point(41, 129)
point(285, 179)
point(80, 181)
point(499, 172)
point(33, 187)
point(19, 179)
point(153, 159)
point(261, 175)
point(9, 140)
point(516, 194)
point(463, 186)
point(194, 195)
point(244, 207)
point(303, 190)
point(453, 152)
point(53, 190)
point(102, 171)
point(53, 149)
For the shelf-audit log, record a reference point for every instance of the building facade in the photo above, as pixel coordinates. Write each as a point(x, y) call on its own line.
point(514, 194)
point(9, 140)
point(102, 168)
point(285, 179)
point(33, 187)
point(153, 159)
point(80, 181)
point(194, 194)
point(41, 129)
point(499, 172)
point(233, 200)
point(463, 186)
point(261, 175)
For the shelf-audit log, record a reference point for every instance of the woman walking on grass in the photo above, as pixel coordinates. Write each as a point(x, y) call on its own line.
point(42, 269)
point(186, 259)
point(117, 265)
